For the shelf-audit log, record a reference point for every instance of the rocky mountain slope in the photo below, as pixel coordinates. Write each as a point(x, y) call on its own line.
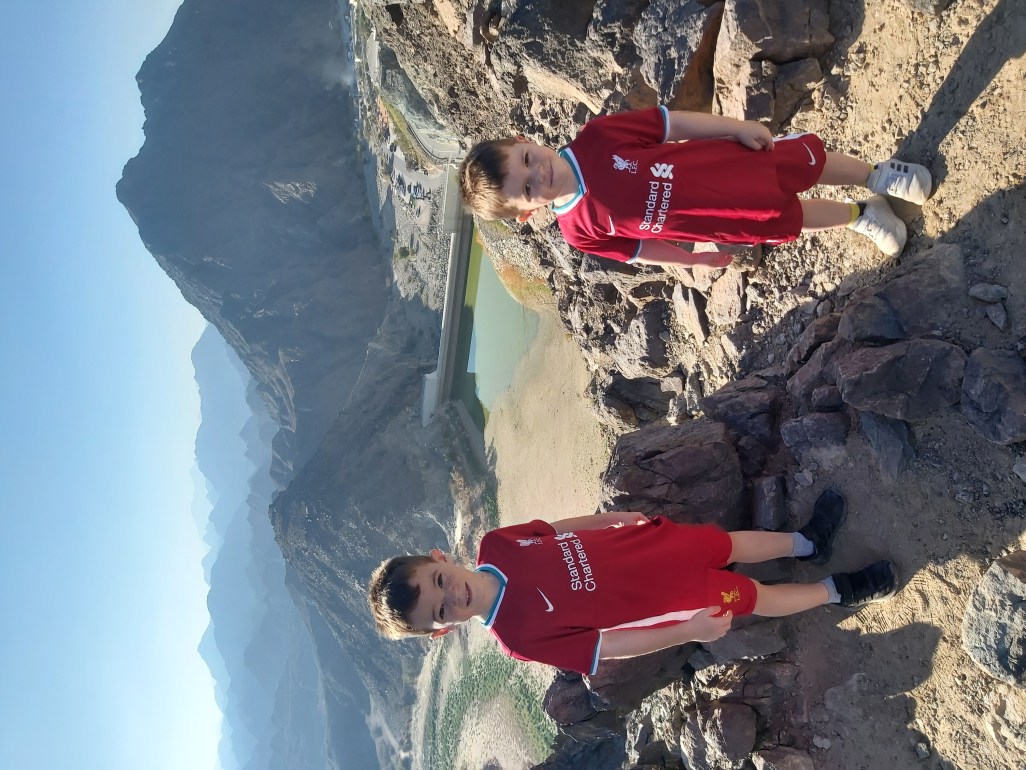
point(244, 192)
point(249, 192)
point(937, 490)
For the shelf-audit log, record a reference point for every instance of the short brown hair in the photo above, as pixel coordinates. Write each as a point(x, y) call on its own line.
point(392, 596)
point(482, 175)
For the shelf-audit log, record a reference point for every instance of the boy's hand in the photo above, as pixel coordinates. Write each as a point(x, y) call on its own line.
point(703, 627)
point(754, 136)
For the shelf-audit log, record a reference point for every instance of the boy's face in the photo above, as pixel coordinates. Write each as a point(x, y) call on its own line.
point(535, 176)
point(447, 594)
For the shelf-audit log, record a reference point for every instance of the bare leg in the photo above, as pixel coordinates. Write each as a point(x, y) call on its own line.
point(750, 547)
point(844, 170)
point(820, 214)
point(775, 601)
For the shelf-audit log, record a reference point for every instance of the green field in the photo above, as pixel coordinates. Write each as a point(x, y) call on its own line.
point(484, 677)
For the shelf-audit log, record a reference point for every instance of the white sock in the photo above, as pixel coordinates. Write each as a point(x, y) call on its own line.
point(801, 545)
point(835, 598)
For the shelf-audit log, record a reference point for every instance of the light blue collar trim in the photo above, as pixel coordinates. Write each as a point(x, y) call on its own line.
point(666, 122)
point(487, 622)
point(582, 189)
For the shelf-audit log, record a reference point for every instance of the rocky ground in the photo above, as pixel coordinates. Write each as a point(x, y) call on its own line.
point(936, 82)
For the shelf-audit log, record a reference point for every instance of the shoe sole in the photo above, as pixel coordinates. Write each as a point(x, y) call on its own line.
point(891, 595)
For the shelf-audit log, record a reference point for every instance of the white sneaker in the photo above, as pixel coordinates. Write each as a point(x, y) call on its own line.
point(908, 181)
point(881, 226)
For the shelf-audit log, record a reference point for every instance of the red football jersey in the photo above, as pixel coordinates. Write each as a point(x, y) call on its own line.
point(559, 592)
point(634, 186)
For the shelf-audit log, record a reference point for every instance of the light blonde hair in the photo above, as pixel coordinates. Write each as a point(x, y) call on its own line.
point(482, 175)
point(392, 596)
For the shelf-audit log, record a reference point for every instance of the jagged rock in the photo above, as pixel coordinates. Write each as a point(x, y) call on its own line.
point(569, 753)
point(730, 732)
point(757, 31)
point(817, 371)
point(726, 299)
point(568, 67)
point(907, 380)
point(688, 472)
point(794, 84)
point(693, 746)
point(920, 298)
point(932, 7)
point(568, 699)
point(994, 625)
point(756, 641)
point(751, 95)
point(891, 442)
point(782, 758)
point(679, 69)
point(997, 315)
point(640, 350)
point(818, 437)
point(988, 292)
point(994, 395)
point(621, 685)
point(688, 308)
point(818, 332)
point(750, 407)
point(768, 509)
point(623, 402)
point(827, 398)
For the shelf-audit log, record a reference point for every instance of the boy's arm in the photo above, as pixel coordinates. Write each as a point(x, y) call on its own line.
point(654, 252)
point(598, 521)
point(699, 125)
point(629, 643)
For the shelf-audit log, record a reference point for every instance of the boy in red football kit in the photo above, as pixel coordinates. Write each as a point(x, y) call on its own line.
point(630, 189)
point(573, 592)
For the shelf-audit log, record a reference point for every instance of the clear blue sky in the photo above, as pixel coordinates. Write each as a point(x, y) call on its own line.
point(102, 594)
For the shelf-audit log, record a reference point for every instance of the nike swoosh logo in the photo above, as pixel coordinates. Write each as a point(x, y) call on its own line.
point(543, 596)
point(612, 227)
point(812, 158)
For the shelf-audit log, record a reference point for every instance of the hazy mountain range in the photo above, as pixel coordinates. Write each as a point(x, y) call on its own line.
point(248, 193)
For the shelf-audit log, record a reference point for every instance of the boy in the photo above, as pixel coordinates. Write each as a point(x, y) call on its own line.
point(629, 189)
point(613, 585)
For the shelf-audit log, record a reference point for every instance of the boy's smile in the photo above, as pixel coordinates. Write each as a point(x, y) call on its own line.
point(536, 176)
point(450, 594)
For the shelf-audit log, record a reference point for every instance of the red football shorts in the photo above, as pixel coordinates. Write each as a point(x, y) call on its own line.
point(707, 550)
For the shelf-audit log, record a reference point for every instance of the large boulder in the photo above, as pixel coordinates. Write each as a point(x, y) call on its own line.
point(994, 626)
point(756, 36)
point(994, 395)
point(749, 407)
point(819, 369)
point(920, 298)
point(678, 67)
point(688, 472)
point(640, 350)
point(907, 380)
point(820, 331)
point(891, 442)
point(818, 437)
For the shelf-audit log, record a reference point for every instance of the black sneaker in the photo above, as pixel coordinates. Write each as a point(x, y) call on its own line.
point(828, 515)
point(870, 584)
